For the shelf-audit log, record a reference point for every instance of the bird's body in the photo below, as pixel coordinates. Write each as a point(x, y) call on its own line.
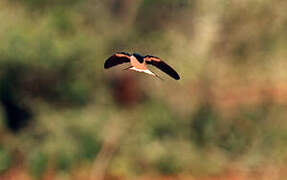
point(139, 66)
point(139, 63)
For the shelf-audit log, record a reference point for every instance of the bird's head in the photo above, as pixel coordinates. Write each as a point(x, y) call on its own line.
point(138, 57)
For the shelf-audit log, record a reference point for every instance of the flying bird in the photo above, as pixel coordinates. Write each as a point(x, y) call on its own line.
point(139, 63)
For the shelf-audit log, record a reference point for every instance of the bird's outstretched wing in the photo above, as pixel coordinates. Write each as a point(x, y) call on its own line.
point(118, 58)
point(157, 62)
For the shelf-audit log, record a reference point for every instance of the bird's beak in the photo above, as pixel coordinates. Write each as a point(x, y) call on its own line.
point(127, 68)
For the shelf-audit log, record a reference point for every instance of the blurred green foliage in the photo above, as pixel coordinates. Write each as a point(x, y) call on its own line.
point(51, 67)
point(38, 162)
point(5, 159)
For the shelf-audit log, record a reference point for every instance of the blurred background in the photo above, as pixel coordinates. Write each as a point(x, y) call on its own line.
point(62, 116)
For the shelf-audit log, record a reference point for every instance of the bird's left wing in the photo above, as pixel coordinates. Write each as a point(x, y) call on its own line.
point(157, 62)
point(118, 58)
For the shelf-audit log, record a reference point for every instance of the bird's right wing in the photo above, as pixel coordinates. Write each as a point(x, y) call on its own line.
point(157, 62)
point(118, 58)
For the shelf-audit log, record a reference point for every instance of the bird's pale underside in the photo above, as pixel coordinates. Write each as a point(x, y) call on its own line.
point(139, 63)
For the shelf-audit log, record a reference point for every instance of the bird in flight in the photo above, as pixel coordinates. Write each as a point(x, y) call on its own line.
point(139, 63)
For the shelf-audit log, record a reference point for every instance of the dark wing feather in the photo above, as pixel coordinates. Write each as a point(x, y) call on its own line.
point(118, 58)
point(157, 62)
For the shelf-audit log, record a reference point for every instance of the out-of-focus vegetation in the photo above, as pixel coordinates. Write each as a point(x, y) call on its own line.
point(64, 116)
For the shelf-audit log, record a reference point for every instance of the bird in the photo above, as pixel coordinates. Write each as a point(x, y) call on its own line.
point(139, 63)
